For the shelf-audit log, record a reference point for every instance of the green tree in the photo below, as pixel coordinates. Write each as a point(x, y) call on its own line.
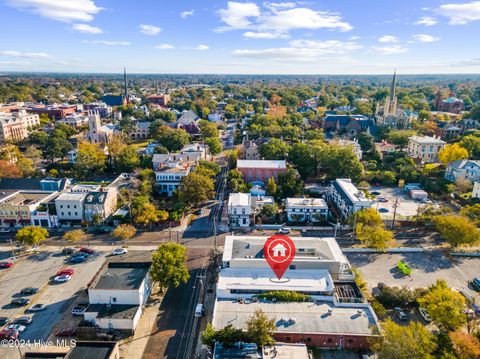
point(374, 237)
point(172, 139)
point(289, 184)
point(74, 236)
point(38, 138)
point(472, 212)
point(451, 153)
point(271, 188)
point(56, 147)
point(269, 210)
point(169, 267)
point(91, 159)
point(31, 235)
point(405, 342)
point(124, 232)
point(472, 144)
point(127, 159)
point(444, 305)
point(457, 230)
point(195, 188)
point(274, 149)
point(466, 345)
point(365, 141)
point(208, 129)
point(400, 137)
point(214, 145)
point(260, 328)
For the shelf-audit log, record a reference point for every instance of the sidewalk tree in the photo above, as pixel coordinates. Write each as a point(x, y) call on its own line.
point(466, 346)
point(195, 189)
point(214, 145)
point(31, 235)
point(405, 342)
point(124, 232)
point(444, 305)
point(169, 265)
point(374, 237)
point(74, 236)
point(207, 129)
point(457, 230)
point(260, 328)
point(451, 153)
point(271, 188)
point(144, 213)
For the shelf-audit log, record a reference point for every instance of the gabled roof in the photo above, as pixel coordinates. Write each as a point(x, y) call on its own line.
point(460, 164)
point(188, 117)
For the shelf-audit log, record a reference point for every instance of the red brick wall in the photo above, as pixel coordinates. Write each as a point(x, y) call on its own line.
point(325, 340)
point(260, 174)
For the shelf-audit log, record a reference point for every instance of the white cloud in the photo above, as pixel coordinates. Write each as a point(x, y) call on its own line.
point(164, 47)
point(278, 18)
point(427, 21)
point(390, 50)
point(87, 29)
point(461, 14)
point(149, 29)
point(31, 55)
point(264, 35)
point(61, 10)
point(201, 47)
point(301, 50)
point(106, 42)
point(425, 38)
point(187, 13)
point(388, 39)
point(354, 38)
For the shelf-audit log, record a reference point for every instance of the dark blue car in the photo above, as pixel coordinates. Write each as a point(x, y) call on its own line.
point(78, 259)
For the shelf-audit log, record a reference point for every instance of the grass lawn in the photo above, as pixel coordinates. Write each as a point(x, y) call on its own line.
point(140, 143)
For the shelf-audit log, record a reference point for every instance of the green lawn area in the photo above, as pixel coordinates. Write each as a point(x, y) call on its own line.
point(137, 144)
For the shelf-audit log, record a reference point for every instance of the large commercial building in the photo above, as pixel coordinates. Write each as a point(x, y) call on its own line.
point(261, 170)
point(335, 316)
point(15, 126)
point(347, 198)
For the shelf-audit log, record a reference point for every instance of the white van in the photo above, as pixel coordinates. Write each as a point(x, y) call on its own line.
point(199, 310)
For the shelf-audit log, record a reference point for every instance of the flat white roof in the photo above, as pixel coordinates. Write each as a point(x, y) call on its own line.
point(71, 196)
point(306, 202)
point(310, 317)
point(352, 192)
point(277, 164)
point(426, 139)
point(239, 199)
point(302, 280)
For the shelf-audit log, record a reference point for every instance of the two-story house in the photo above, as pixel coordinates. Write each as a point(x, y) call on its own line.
point(239, 210)
point(463, 169)
point(425, 148)
point(306, 209)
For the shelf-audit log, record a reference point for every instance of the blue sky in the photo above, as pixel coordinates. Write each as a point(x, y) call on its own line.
point(241, 37)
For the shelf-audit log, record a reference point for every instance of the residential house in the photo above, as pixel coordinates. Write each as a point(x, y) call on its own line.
point(15, 126)
point(99, 205)
point(239, 210)
point(384, 148)
point(354, 145)
point(194, 149)
point(160, 160)
point(476, 190)
point(250, 150)
point(347, 198)
point(463, 169)
point(425, 148)
point(171, 168)
point(103, 110)
point(215, 117)
point(350, 125)
point(119, 291)
point(338, 317)
point(189, 122)
point(451, 131)
point(306, 209)
point(261, 170)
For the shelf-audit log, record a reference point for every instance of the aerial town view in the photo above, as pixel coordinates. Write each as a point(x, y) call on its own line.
point(240, 179)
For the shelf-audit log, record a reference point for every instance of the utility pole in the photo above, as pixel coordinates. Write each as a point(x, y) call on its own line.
point(395, 212)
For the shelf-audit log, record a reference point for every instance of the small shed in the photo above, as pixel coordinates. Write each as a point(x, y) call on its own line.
point(418, 194)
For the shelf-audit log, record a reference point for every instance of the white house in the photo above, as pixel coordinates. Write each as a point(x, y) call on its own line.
point(214, 117)
point(476, 190)
point(117, 295)
point(463, 169)
point(354, 145)
point(347, 198)
point(69, 206)
point(425, 148)
point(239, 210)
point(306, 209)
point(170, 168)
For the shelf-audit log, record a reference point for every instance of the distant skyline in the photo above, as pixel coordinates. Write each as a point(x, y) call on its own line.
point(241, 37)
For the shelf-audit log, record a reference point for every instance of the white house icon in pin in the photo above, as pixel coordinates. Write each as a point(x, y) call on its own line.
point(279, 250)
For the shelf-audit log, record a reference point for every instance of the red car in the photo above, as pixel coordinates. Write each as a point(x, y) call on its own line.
point(9, 334)
point(66, 332)
point(66, 271)
point(86, 250)
point(6, 264)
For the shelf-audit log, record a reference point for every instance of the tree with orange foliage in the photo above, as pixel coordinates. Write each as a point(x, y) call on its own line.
point(9, 170)
point(466, 345)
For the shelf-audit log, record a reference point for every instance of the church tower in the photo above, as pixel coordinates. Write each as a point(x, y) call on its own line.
point(390, 108)
point(125, 88)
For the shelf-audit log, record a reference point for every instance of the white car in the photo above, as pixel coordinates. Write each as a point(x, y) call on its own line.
point(78, 310)
point(119, 251)
point(37, 308)
point(62, 278)
point(423, 312)
point(284, 230)
point(19, 328)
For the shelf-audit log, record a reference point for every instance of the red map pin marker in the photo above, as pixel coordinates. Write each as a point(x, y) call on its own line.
point(279, 251)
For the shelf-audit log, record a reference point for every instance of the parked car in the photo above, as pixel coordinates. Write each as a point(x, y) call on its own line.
point(404, 267)
point(68, 251)
point(29, 291)
point(401, 314)
point(383, 210)
point(199, 310)
point(10, 334)
point(78, 310)
point(475, 283)
point(66, 332)
point(66, 271)
point(37, 307)
point(6, 264)
point(20, 302)
point(77, 259)
point(423, 312)
point(19, 328)
point(86, 250)
point(382, 199)
point(23, 320)
point(375, 193)
point(284, 230)
point(119, 251)
point(3, 320)
point(62, 278)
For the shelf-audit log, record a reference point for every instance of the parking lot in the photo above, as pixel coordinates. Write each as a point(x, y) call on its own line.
point(427, 268)
point(406, 206)
point(38, 271)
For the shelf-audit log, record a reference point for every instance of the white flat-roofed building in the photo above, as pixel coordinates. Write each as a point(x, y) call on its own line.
point(69, 206)
point(160, 160)
point(425, 148)
point(347, 197)
point(306, 209)
point(195, 149)
point(239, 210)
